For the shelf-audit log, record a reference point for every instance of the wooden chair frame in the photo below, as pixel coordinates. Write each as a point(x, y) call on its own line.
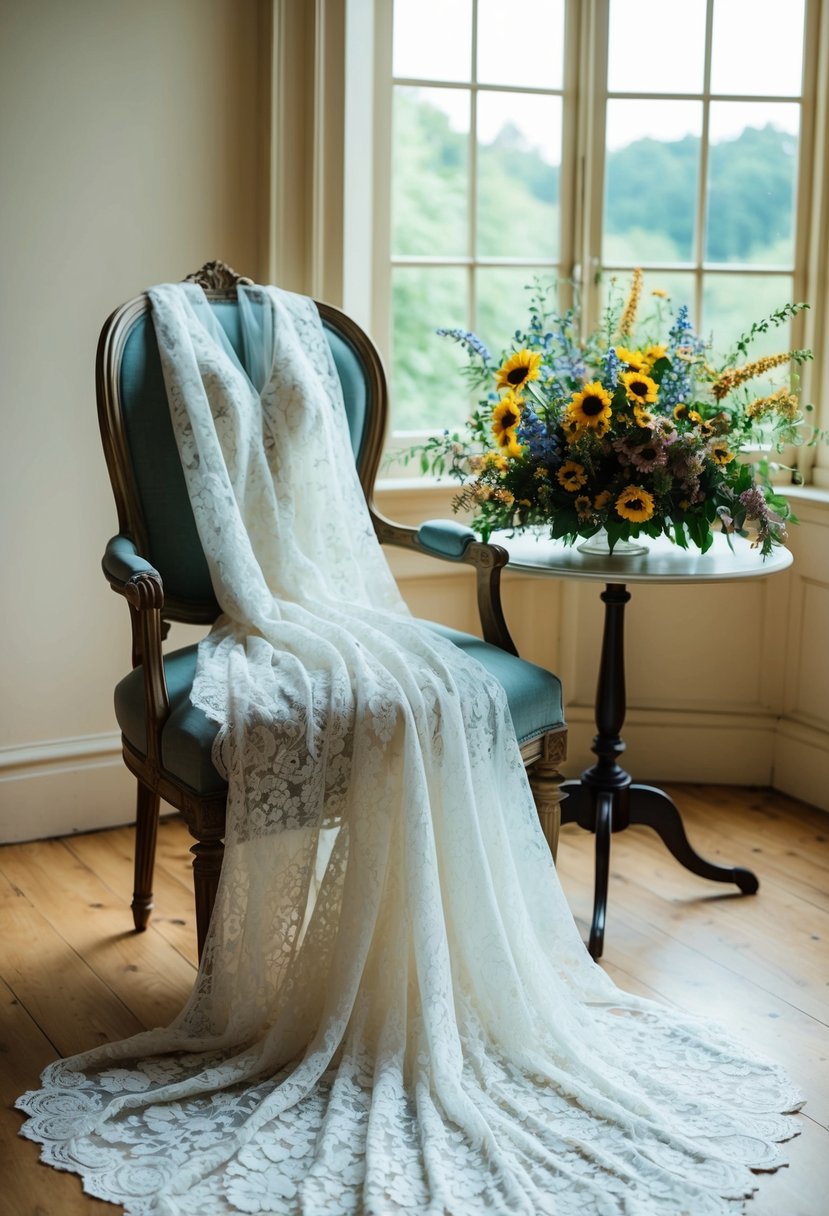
point(151, 612)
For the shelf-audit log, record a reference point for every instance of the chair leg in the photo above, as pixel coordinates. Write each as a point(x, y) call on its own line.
point(146, 831)
point(207, 866)
point(545, 783)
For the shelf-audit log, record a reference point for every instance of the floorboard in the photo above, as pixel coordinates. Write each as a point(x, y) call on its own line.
point(73, 974)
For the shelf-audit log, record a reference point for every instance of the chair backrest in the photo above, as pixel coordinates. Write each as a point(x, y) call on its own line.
point(140, 448)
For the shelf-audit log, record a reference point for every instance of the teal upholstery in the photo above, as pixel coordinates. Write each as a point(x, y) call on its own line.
point(445, 538)
point(533, 694)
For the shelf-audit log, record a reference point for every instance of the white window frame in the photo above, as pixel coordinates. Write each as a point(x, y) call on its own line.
point(585, 96)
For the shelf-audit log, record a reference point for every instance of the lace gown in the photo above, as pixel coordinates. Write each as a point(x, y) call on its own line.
point(394, 1012)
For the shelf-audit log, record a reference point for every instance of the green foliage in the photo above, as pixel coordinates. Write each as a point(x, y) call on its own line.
point(636, 438)
point(651, 186)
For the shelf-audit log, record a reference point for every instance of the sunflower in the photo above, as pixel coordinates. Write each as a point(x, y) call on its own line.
point(640, 389)
point(518, 369)
point(510, 446)
point(572, 429)
point(590, 405)
point(652, 354)
point(635, 504)
point(721, 453)
point(571, 475)
point(644, 418)
point(583, 506)
point(633, 358)
point(507, 414)
point(681, 412)
point(601, 500)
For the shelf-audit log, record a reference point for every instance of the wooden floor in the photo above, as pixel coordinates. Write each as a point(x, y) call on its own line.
point(73, 975)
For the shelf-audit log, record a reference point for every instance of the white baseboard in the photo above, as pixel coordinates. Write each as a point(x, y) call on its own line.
point(682, 745)
point(64, 786)
point(73, 785)
point(801, 762)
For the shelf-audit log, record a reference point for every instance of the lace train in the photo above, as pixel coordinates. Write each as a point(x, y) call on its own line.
point(394, 1012)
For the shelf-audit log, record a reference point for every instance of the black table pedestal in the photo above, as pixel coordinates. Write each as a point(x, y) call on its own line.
point(605, 799)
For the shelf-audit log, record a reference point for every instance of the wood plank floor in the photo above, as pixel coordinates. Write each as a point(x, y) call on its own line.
point(72, 974)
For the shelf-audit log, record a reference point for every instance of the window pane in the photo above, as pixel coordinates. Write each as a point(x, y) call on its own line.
point(663, 293)
point(757, 47)
point(651, 176)
point(519, 159)
point(752, 176)
point(731, 302)
point(427, 388)
point(650, 53)
point(502, 303)
point(430, 172)
point(539, 25)
point(433, 39)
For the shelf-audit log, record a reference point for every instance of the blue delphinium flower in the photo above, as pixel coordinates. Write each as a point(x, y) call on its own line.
point(472, 342)
point(678, 382)
point(612, 367)
point(535, 434)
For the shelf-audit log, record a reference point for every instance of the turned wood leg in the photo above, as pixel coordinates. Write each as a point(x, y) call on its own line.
point(207, 866)
point(146, 831)
point(545, 783)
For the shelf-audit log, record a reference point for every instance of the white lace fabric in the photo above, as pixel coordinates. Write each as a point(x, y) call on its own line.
point(394, 1012)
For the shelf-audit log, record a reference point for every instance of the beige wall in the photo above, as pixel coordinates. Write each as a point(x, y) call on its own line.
point(130, 153)
point(133, 148)
point(725, 683)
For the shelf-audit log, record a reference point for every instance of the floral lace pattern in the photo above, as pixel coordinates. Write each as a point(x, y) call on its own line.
point(394, 1012)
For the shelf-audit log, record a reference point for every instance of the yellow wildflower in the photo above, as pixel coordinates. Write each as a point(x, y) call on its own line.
point(734, 376)
point(659, 293)
point(781, 402)
point(628, 317)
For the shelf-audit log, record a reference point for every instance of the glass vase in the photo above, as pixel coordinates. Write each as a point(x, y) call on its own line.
point(599, 546)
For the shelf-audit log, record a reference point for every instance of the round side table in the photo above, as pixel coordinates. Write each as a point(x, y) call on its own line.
point(605, 799)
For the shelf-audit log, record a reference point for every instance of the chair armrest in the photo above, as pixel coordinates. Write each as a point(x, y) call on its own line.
point(445, 538)
point(142, 588)
point(454, 542)
point(132, 576)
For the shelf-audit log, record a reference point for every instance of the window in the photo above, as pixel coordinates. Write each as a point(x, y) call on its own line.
point(575, 141)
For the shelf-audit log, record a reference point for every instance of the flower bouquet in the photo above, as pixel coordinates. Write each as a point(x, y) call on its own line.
point(629, 432)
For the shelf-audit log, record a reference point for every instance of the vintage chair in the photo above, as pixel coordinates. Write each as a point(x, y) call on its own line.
point(156, 562)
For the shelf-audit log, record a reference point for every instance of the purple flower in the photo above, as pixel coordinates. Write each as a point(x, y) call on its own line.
point(649, 456)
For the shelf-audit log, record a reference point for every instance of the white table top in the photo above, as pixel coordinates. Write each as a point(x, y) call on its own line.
point(533, 552)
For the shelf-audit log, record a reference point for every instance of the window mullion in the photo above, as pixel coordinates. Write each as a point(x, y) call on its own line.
point(472, 180)
point(591, 152)
point(702, 185)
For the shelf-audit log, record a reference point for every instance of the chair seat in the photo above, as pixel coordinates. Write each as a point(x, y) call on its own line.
point(533, 694)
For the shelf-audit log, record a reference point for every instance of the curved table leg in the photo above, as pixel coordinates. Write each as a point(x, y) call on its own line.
point(653, 808)
point(604, 820)
point(577, 801)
